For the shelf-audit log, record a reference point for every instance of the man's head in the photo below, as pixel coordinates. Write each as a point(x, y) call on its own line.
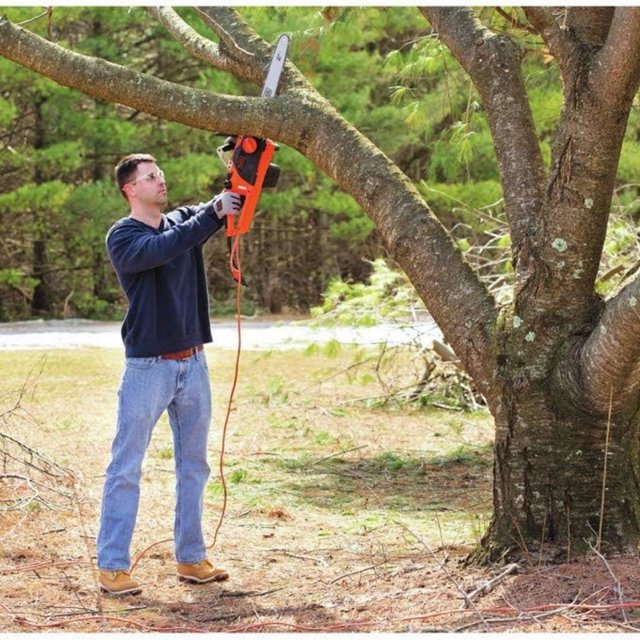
point(140, 180)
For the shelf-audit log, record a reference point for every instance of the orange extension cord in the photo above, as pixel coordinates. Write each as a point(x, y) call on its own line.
point(236, 269)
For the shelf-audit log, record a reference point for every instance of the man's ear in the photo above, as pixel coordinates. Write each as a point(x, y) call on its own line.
point(129, 190)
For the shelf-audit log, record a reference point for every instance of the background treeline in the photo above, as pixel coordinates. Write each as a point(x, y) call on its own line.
point(380, 67)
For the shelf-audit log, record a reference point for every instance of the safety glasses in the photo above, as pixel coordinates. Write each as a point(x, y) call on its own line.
point(153, 176)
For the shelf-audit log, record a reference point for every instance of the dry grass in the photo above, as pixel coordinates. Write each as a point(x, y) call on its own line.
point(341, 516)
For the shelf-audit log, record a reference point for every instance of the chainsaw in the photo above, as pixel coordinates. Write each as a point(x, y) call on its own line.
point(248, 159)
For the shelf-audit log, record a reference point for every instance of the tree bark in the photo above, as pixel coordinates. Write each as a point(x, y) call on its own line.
point(590, 26)
point(552, 495)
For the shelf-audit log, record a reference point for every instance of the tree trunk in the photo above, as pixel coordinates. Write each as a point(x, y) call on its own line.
point(42, 302)
point(549, 472)
point(554, 453)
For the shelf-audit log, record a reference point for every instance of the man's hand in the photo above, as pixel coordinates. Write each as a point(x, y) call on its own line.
point(227, 203)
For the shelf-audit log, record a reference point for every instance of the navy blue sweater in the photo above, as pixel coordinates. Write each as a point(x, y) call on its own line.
point(162, 274)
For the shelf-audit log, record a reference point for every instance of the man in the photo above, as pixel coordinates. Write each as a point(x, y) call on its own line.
point(158, 260)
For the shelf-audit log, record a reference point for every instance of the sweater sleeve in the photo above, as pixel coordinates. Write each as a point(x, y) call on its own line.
point(182, 214)
point(134, 248)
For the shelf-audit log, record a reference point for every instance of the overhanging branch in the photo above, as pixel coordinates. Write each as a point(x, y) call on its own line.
point(112, 82)
point(244, 45)
point(242, 53)
point(202, 48)
point(234, 33)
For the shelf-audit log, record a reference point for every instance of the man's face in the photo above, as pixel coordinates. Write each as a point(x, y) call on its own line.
point(148, 185)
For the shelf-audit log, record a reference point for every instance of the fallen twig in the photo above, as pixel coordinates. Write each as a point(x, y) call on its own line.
point(334, 455)
point(247, 594)
point(42, 565)
point(488, 585)
point(445, 570)
point(618, 587)
point(357, 571)
point(300, 557)
point(520, 618)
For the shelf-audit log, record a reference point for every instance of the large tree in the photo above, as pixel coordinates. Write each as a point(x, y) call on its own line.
point(558, 365)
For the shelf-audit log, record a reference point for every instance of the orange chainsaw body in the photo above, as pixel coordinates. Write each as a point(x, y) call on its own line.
point(250, 170)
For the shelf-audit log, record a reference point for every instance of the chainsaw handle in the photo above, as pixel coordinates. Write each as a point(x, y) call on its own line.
point(232, 222)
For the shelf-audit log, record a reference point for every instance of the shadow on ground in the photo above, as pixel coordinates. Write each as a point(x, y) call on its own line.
point(455, 482)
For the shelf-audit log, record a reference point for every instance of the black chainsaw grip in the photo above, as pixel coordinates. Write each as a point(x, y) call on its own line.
point(271, 176)
point(229, 144)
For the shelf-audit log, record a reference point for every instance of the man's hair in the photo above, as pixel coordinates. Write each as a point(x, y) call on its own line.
point(126, 168)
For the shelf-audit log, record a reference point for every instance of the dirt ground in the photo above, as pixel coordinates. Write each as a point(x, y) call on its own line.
point(341, 516)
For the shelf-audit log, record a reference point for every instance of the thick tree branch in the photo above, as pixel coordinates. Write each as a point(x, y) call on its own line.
point(610, 357)
point(616, 68)
point(452, 292)
point(204, 49)
point(115, 83)
point(243, 44)
point(598, 97)
point(493, 63)
point(560, 45)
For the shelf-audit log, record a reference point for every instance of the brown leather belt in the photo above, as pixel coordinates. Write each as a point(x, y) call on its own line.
point(182, 355)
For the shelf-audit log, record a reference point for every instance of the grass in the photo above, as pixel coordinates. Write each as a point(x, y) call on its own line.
point(298, 443)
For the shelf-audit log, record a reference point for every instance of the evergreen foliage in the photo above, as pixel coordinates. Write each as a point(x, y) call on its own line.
point(387, 296)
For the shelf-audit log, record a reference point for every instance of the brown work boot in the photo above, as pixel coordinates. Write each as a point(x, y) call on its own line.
point(201, 572)
point(118, 583)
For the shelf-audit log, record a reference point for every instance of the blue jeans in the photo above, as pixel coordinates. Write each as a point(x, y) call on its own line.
point(148, 387)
